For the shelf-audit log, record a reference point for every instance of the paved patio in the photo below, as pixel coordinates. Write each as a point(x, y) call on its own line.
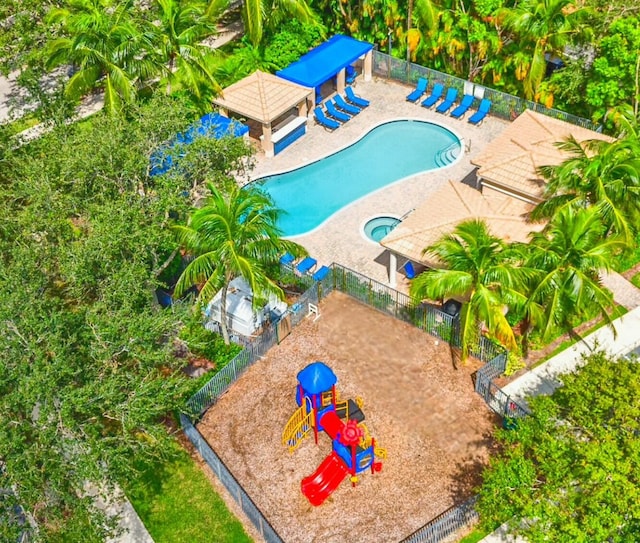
point(339, 239)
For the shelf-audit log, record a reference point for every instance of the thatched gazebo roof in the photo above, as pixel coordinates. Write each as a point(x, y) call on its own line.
point(262, 97)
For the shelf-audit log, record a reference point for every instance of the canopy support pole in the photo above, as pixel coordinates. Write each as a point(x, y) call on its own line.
point(368, 66)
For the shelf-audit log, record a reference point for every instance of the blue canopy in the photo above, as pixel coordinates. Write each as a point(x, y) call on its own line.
point(317, 378)
point(212, 125)
point(325, 61)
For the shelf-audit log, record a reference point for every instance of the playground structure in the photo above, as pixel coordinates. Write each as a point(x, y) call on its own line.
point(319, 409)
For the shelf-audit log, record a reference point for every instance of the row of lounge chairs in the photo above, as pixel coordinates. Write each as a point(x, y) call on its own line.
point(340, 109)
point(449, 100)
point(306, 266)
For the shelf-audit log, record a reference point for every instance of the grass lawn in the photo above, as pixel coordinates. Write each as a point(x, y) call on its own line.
point(177, 504)
point(21, 124)
point(475, 536)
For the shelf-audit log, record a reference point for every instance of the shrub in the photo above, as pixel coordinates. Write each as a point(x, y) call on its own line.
point(290, 43)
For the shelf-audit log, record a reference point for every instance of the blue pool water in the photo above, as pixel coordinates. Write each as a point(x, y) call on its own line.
point(378, 227)
point(311, 194)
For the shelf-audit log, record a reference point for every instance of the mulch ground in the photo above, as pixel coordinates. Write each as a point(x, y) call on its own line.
point(418, 406)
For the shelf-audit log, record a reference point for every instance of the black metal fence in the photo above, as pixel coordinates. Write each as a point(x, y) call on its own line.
point(503, 105)
point(229, 481)
point(379, 296)
point(446, 524)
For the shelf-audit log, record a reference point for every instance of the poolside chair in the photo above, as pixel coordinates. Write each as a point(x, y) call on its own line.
point(409, 270)
point(321, 273)
point(465, 104)
point(445, 106)
point(347, 108)
point(420, 89)
point(306, 265)
point(355, 100)
point(333, 112)
point(436, 94)
point(287, 259)
point(322, 120)
point(350, 75)
point(482, 112)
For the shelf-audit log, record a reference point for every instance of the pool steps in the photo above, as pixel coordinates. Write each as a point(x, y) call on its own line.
point(446, 156)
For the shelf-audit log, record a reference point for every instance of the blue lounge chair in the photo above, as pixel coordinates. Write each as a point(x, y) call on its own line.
point(436, 94)
point(322, 120)
point(350, 74)
point(409, 270)
point(482, 112)
point(306, 265)
point(420, 89)
point(355, 100)
point(464, 106)
point(287, 259)
point(347, 108)
point(321, 273)
point(445, 106)
point(333, 112)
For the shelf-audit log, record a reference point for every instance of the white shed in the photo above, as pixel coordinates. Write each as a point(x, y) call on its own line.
point(242, 318)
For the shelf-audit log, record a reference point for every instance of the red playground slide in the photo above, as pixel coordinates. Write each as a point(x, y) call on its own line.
point(319, 486)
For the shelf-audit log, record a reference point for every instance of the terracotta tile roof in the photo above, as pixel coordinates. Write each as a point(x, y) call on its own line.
point(512, 159)
point(451, 205)
point(262, 97)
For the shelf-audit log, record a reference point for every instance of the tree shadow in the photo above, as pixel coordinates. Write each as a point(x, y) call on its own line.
point(467, 476)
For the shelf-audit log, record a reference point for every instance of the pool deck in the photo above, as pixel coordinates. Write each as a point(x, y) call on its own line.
point(339, 239)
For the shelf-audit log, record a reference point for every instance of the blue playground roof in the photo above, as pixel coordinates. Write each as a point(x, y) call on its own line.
point(316, 378)
point(212, 125)
point(325, 61)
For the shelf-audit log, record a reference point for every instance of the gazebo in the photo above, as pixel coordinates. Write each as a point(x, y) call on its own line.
point(330, 59)
point(276, 109)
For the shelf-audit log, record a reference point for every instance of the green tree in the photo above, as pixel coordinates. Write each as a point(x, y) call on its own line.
point(234, 234)
point(615, 75)
point(87, 376)
point(569, 255)
point(626, 120)
point(597, 173)
point(480, 268)
point(570, 472)
point(540, 27)
point(182, 25)
point(24, 33)
point(103, 41)
point(261, 15)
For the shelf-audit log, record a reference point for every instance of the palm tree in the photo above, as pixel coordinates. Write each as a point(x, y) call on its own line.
point(597, 173)
point(259, 15)
point(626, 117)
point(541, 27)
point(233, 234)
point(106, 46)
point(569, 255)
point(181, 27)
point(480, 268)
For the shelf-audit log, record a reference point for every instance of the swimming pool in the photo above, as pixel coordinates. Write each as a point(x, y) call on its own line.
point(388, 153)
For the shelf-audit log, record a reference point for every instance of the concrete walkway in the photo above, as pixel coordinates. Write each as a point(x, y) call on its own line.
point(544, 378)
point(625, 293)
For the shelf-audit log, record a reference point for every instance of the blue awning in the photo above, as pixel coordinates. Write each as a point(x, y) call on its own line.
point(212, 125)
point(325, 61)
